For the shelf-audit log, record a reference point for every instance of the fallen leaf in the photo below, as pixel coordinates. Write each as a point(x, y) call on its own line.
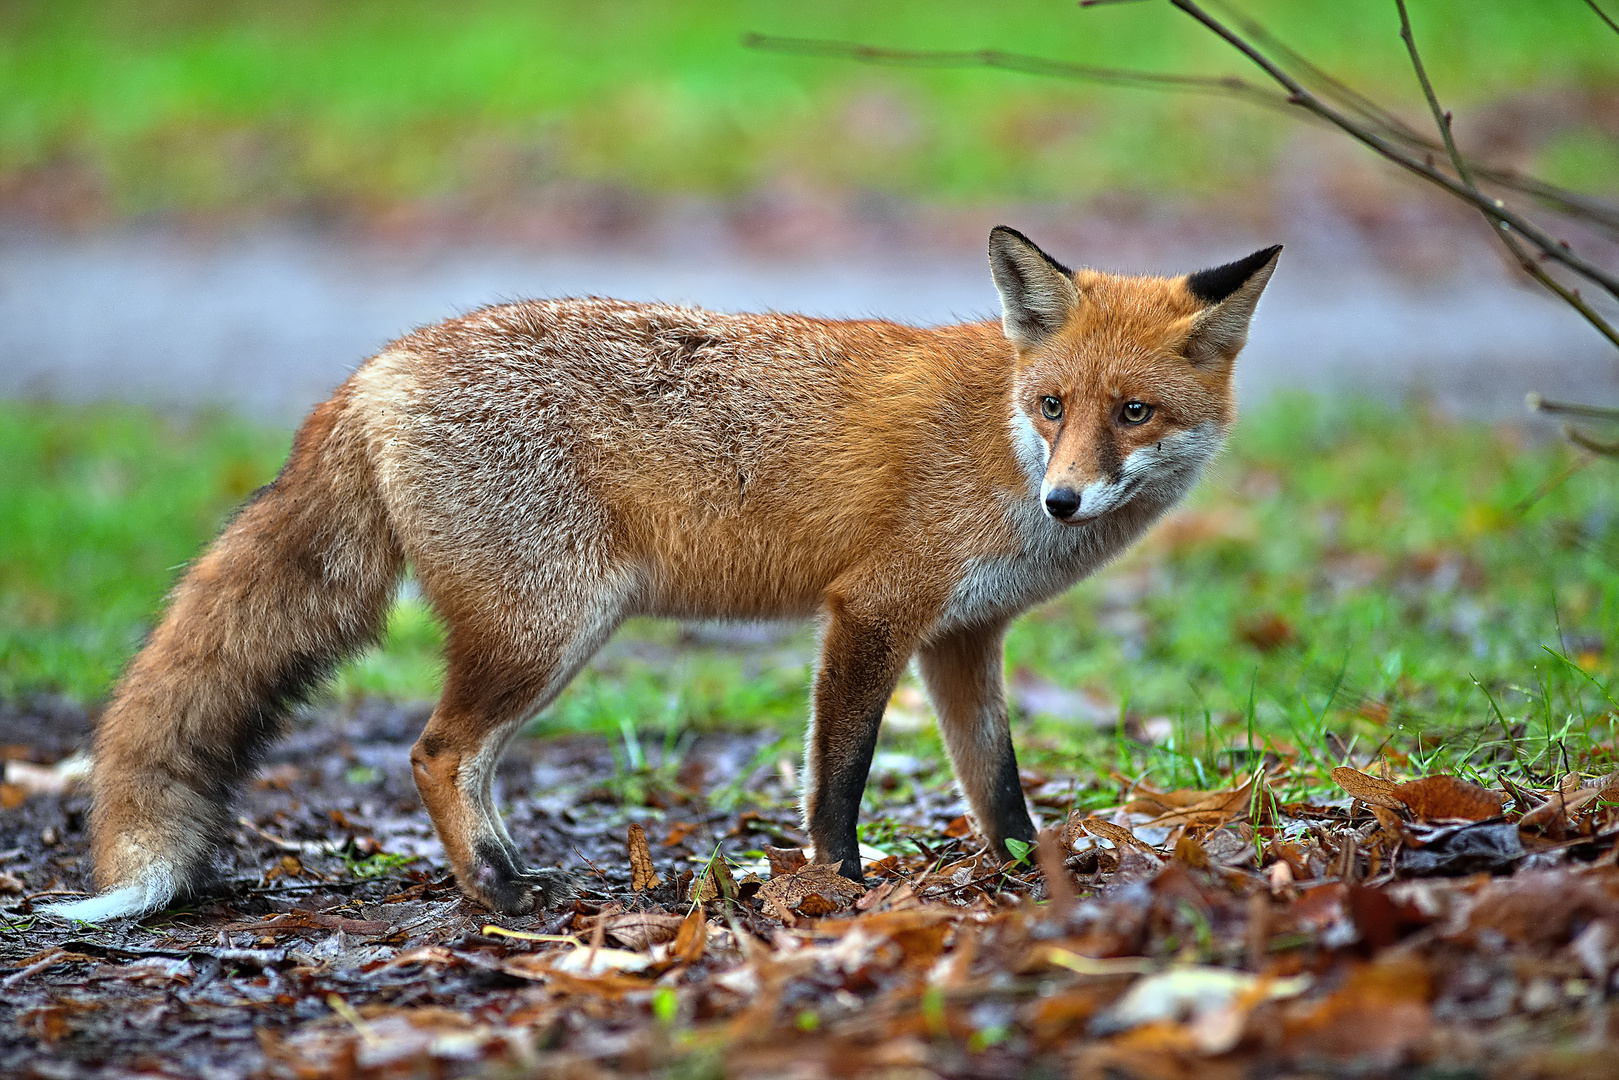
point(1379, 1011)
point(1266, 631)
point(814, 891)
point(1204, 809)
point(1432, 797)
point(1449, 797)
point(784, 861)
point(642, 874)
point(1214, 1003)
point(637, 930)
point(1371, 790)
point(57, 779)
point(692, 937)
point(1447, 850)
point(1117, 834)
point(679, 831)
point(717, 881)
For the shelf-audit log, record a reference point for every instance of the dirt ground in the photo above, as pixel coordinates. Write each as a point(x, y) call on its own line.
point(1425, 929)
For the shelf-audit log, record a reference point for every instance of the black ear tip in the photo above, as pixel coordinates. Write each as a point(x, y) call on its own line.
point(1002, 232)
point(1007, 230)
point(1213, 285)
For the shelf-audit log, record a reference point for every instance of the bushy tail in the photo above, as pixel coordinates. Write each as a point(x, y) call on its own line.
point(299, 581)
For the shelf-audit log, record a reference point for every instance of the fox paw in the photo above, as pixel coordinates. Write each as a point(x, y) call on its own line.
point(497, 882)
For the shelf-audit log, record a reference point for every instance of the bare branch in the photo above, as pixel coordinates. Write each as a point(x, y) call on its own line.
point(1536, 403)
point(1391, 126)
point(1579, 437)
point(1603, 15)
point(1502, 231)
point(1591, 210)
point(1494, 209)
point(1588, 442)
point(1224, 85)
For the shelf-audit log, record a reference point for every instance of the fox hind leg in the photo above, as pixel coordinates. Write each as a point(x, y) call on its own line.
point(497, 677)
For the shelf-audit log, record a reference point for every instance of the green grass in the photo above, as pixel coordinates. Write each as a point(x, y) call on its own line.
point(1351, 576)
point(183, 106)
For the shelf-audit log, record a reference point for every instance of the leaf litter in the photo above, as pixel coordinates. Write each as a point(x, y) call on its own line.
point(1406, 924)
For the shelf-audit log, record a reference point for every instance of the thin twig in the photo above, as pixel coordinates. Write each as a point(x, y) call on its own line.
point(1495, 209)
point(1228, 85)
point(1443, 120)
point(1603, 15)
point(1592, 211)
point(1586, 441)
point(1536, 403)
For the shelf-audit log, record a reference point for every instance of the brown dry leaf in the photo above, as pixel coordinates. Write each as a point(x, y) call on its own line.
point(1553, 815)
point(1118, 834)
point(959, 829)
point(1380, 1010)
point(816, 890)
point(1266, 630)
point(288, 866)
point(717, 881)
point(679, 831)
point(1204, 809)
point(10, 883)
point(1449, 797)
point(1188, 852)
point(692, 936)
point(785, 861)
point(1368, 789)
point(642, 874)
point(638, 930)
point(12, 796)
point(1072, 830)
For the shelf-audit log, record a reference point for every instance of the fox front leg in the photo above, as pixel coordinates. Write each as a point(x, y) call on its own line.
point(861, 660)
point(962, 673)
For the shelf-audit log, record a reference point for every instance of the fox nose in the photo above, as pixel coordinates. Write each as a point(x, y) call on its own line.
point(1062, 502)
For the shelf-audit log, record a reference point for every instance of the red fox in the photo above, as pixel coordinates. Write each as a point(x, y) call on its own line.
point(549, 468)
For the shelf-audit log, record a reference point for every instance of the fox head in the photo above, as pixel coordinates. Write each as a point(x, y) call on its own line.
point(1122, 385)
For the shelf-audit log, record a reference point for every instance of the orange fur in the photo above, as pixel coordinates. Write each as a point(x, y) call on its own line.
point(551, 468)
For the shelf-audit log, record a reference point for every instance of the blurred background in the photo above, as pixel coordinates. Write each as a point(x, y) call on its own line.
point(210, 212)
point(223, 203)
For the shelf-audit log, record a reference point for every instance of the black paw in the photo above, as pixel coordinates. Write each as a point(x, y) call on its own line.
point(497, 882)
point(551, 888)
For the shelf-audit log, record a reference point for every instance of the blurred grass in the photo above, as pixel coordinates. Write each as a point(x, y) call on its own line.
point(1341, 581)
point(184, 105)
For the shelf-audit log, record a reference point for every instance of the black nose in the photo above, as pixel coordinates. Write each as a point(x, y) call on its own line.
point(1062, 502)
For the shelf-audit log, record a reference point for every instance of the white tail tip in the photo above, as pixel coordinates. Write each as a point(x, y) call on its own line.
point(152, 892)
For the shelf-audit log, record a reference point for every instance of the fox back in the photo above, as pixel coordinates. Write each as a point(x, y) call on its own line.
point(551, 468)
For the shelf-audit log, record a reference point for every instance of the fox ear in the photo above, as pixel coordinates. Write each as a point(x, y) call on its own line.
point(1228, 294)
point(1037, 291)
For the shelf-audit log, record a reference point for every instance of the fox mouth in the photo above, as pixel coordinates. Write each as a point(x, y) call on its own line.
point(1055, 503)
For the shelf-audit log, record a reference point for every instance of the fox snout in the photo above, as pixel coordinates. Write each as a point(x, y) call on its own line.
point(1076, 506)
point(1062, 503)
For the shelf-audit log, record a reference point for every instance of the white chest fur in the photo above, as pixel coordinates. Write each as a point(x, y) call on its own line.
point(1049, 556)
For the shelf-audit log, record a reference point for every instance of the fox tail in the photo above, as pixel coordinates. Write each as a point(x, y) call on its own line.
point(301, 579)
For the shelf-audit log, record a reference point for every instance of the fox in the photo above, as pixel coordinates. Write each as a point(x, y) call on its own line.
point(549, 468)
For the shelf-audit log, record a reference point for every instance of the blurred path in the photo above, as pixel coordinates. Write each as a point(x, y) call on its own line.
point(268, 322)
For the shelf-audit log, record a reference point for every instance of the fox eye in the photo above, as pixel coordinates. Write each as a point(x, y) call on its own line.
point(1051, 408)
point(1135, 412)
